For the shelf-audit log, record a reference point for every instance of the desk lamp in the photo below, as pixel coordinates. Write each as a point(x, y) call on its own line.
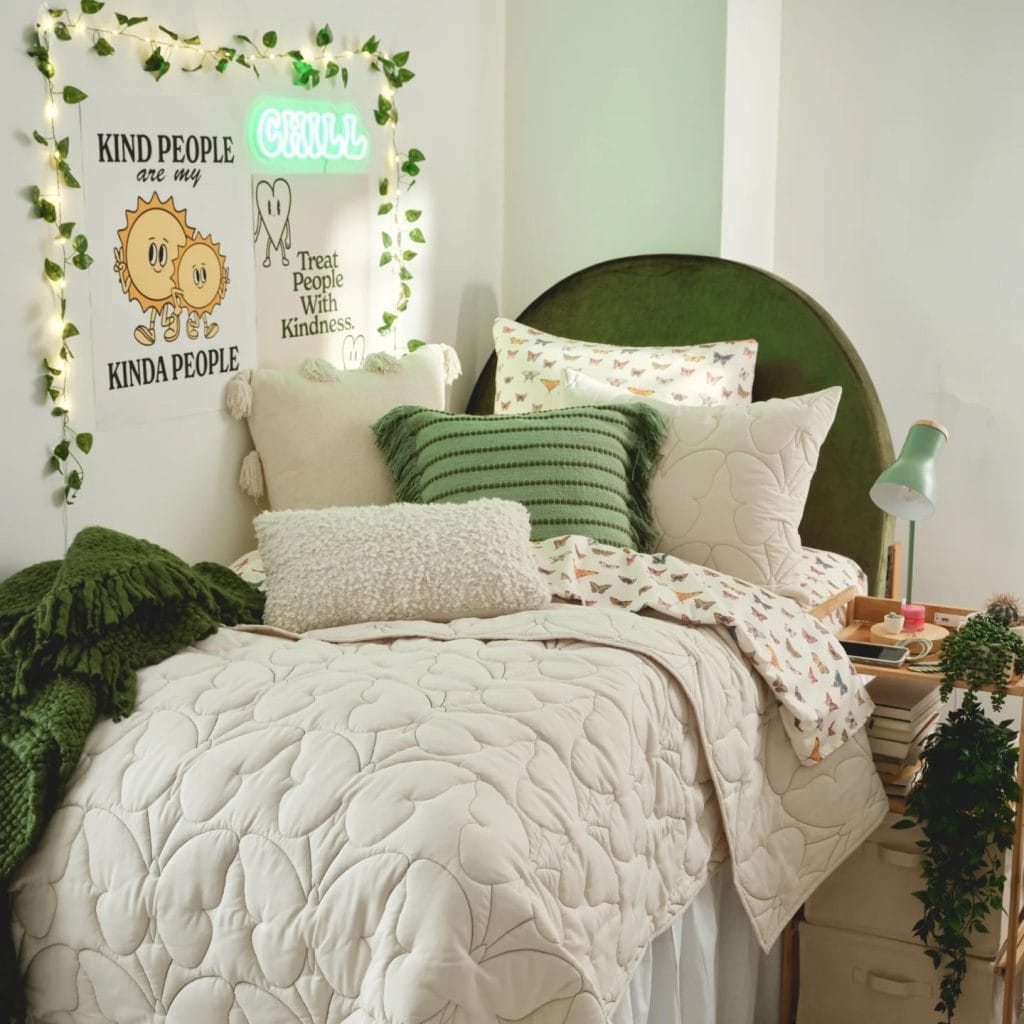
point(907, 488)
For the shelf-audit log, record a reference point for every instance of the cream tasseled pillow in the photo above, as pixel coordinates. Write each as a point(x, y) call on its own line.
point(330, 567)
point(311, 427)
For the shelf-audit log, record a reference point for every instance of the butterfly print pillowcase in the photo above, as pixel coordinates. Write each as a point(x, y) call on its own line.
point(530, 365)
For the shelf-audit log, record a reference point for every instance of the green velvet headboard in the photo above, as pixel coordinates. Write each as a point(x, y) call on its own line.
point(683, 300)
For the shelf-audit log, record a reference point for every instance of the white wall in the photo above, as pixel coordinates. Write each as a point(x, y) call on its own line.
point(901, 209)
point(751, 132)
point(614, 123)
point(174, 481)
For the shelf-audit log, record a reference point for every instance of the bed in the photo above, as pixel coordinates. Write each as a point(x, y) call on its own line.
point(561, 814)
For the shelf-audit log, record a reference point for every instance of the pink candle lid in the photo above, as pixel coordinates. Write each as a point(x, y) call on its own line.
point(913, 613)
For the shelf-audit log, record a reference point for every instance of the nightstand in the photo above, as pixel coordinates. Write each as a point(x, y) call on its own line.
point(858, 959)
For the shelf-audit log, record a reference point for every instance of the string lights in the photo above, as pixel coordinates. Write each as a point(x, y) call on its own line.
point(160, 48)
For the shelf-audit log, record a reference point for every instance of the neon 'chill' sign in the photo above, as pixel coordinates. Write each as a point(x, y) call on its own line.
point(306, 135)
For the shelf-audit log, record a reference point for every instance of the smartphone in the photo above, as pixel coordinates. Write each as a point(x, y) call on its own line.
point(874, 654)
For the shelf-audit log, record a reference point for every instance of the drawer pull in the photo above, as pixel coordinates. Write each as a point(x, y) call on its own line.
point(891, 986)
point(898, 858)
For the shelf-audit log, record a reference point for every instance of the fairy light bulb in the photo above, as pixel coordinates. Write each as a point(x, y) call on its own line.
point(57, 323)
point(47, 24)
point(50, 111)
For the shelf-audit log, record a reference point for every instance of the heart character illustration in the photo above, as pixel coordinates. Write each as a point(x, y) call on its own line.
point(353, 348)
point(273, 212)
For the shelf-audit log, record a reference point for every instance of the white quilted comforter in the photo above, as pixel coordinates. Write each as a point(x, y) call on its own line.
point(396, 822)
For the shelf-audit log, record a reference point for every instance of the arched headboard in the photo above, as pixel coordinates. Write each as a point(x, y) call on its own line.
point(685, 300)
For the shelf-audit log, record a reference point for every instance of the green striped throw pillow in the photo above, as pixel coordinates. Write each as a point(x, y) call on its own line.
point(582, 470)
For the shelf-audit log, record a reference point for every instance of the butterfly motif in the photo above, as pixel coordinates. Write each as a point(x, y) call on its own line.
point(508, 330)
point(550, 384)
point(771, 633)
point(811, 677)
point(628, 580)
point(796, 722)
point(809, 637)
point(742, 391)
point(645, 588)
point(631, 558)
point(548, 363)
point(726, 393)
point(660, 366)
point(508, 380)
point(841, 686)
point(832, 705)
point(546, 572)
point(619, 603)
point(799, 696)
point(599, 588)
point(819, 720)
point(792, 650)
point(713, 378)
point(665, 380)
point(815, 754)
point(596, 361)
point(780, 687)
point(723, 620)
point(785, 611)
point(583, 573)
point(763, 604)
point(851, 721)
point(617, 382)
point(537, 407)
point(683, 596)
point(754, 631)
point(730, 595)
point(570, 359)
point(748, 351)
point(532, 356)
point(687, 371)
point(678, 577)
point(651, 571)
point(818, 663)
point(760, 616)
point(860, 699)
point(706, 400)
point(818, 560)
point(639, 372)
point(603, 551)
point(659, 559)
point(704, 606)
point(565, 578)
point(560, 542)
point(832, 729)
point(721, 357)
point(620, 364)
point(773, 657)
point(694, 357)
point(642, 392)
point(528, 375)
point(505, 406)
point(520, 398)
point(837, 656)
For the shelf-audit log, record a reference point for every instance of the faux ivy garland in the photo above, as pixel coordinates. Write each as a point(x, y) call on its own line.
point(162, 49)
point(964, 802)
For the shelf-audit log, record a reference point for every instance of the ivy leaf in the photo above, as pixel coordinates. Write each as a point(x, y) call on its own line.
point(125, 22)
point(70, 331)
point(62, 148)
point(410, 168)
point(384, 186)
point(75, 480)
point(46, 69)
point(84, 442)
point(417, 236)
point(54, 271)
point(405, 75)
point(416, 155)
point(69, 179)
point(386, 240)
point(415, 343)
point(408, 255)
point(102, 47)
point(223, 64)
point(58, 411)
point(82, 260)
point(371, 45)
point(385, 208)
point(404, 274)
point(325, 36)
point(245, 39)
point(40, 138)
point(80, 243)
point(331, 70)
point(385, 259)
point(168, 32)
point(413, 215)
point(53, 465)
point(73, 95)
point(270, 40)
point(62, 32)
point(156, 65)
point(47, 211)
point(62, 450)
point(401, 58)
point(92, 6)
point(344, 77)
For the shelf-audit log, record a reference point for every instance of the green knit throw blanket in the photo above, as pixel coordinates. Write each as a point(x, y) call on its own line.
point(72, 634)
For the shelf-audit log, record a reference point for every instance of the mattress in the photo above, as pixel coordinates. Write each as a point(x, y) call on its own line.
point(465, 822)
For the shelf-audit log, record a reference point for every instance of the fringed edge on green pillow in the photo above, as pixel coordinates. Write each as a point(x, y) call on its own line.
point(650, 429)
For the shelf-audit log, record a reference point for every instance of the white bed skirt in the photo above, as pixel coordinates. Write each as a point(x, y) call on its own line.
point(706, 969)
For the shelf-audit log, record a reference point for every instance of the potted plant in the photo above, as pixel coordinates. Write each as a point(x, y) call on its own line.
point(964, 798)
point(1006, 608)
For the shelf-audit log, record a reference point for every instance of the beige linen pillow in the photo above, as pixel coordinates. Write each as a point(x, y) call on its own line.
point(311, 427)
point(730, 489)
point(330, 567)
point(530, 363)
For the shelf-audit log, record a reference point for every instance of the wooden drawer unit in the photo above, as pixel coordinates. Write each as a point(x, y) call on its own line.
point(851, 978)
point(873, 892)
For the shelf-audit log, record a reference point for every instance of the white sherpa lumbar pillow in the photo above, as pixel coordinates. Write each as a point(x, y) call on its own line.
point(330, 567)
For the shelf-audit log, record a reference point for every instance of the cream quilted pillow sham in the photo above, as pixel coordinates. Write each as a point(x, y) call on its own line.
point(730, 490)
point(333, 566)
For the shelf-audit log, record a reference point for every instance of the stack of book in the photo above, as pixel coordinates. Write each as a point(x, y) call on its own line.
point(906, 713)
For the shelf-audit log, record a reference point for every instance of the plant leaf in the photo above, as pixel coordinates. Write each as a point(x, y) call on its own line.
point(54, 271)
point(84, 442)
point(269, 40)
point(417, 236)
point(413, 215)
point(325, 36)
point(92, 6)
point(70, 331)
point(102, 47)
point(73, 95)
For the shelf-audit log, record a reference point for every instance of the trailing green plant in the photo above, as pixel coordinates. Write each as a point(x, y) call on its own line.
point(1004, 608)
point(964, 800)
point(157, 50)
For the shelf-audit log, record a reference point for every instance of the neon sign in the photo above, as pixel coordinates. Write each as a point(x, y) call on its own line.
point(305, 135)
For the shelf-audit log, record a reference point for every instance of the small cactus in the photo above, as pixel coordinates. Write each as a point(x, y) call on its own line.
point(1004, 608)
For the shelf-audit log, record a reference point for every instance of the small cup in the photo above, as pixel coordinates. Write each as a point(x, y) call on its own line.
point(894, 623)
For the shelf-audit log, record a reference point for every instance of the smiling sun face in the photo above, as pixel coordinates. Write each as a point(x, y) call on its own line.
point(154, 234)
point(201, 275)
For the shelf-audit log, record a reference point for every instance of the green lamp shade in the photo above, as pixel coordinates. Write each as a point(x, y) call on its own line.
point(907, 488)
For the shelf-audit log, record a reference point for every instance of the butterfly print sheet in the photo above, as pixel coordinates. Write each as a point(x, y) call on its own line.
point(468, 822)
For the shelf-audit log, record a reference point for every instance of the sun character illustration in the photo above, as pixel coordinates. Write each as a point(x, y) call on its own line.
point(154, 233)
point(200, 280)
